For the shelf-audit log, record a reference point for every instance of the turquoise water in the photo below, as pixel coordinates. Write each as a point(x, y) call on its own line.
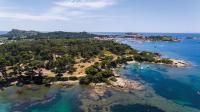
point(4, 107)
point(40, 99)
point(65, 101)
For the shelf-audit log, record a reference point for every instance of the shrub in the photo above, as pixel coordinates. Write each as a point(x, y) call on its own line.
point(91, 70)
point(84, 81)
point(73, 78)
point(166, 61)
point(113, 79)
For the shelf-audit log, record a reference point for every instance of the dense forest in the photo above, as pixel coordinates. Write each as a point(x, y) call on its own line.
point(22, 60)
point(23, 57)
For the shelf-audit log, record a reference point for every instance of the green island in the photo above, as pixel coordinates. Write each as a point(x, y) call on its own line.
point(139, 37)
point(162, 38)
point(76, 57)
point(150, 38)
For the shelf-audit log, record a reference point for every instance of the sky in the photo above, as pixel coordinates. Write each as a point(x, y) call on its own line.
point(175, 16)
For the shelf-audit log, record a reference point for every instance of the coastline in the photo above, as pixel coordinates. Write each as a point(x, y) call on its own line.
point(181, 63)
point(121, 82)
point(175, 63)
point(124, 84)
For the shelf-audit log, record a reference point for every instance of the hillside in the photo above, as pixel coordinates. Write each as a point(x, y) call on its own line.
point(16, 34)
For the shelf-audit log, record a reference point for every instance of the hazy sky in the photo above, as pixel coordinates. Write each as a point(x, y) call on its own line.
point(101, 15)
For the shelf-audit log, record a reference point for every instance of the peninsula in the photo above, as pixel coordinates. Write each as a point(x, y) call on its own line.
point(140, 37)
point(31, 57)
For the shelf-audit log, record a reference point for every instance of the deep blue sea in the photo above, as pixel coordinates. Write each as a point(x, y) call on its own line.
point(180, 85)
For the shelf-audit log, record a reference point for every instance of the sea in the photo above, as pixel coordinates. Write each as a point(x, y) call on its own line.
point(167, 89)
point(3, 32)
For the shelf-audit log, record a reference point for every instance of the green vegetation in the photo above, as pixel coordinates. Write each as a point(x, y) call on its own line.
point(21, 34)
point(146, 57)
point(161, 38)
point(165, 60)
point(151, 57)
point(153, 38)
point(24, 59)
point(101, 72)
point(15, 33)
point(113, 79)
point(96, 74)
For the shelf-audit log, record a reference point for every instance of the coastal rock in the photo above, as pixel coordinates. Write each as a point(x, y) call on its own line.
point(65, 83)
point(180, 63)
point(97, 92)
point(124, 83)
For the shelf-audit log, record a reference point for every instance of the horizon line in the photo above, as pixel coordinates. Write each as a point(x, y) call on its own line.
point(104, 31)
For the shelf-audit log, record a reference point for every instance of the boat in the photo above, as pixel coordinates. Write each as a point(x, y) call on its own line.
point(198, 92)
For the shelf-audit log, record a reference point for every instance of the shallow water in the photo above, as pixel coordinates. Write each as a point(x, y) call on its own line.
point(65, 101)
point(40, 99)
point(135, 108)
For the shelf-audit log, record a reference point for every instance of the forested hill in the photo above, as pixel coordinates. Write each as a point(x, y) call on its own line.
point(16, 34)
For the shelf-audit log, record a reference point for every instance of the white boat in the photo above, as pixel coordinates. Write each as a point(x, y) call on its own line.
point(198, 92)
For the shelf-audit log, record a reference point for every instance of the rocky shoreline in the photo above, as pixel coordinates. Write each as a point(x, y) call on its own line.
point(180, 63)
point(175, 63)
point(122, 83)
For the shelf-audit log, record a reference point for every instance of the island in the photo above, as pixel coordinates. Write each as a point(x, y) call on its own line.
point(140, 37)
point(31, 57)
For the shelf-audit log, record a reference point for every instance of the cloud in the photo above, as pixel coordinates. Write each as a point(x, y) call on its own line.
point(63, 10)
point(23, 16)
point(85, 4)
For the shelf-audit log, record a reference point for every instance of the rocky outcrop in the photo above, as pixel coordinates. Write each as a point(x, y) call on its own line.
point(180, 63)
point(124, 83)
